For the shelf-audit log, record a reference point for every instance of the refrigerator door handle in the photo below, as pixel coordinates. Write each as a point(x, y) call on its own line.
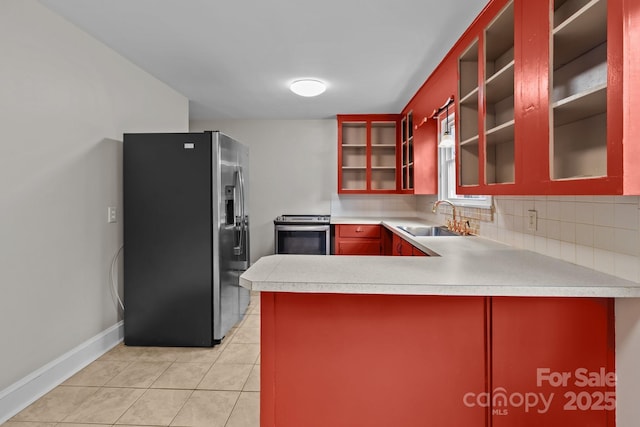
point(239, 249)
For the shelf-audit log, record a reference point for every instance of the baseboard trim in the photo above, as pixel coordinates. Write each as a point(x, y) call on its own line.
point(24, 392)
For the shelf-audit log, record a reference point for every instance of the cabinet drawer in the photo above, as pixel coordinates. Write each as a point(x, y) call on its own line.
point(363, 231)
point(358, 247)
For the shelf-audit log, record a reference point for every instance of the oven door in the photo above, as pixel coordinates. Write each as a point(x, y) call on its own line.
point(303, 239)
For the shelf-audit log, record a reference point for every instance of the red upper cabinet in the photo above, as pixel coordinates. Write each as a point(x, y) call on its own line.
point(425, 139)
point(407, 170)
point(584, 100)
point(546, 103)
point(631, 96)
point(580, 98)
point(419, 142)
point(487, 121)
point(545, 99)
point(367, 153)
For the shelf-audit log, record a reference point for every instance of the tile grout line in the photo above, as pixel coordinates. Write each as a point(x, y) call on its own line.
point(181, 407)
point(206, 373)
point(232, 409)
point(146, 389)
point(129, 407)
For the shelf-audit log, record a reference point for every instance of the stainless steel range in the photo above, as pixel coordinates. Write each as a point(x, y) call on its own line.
point(303, 234)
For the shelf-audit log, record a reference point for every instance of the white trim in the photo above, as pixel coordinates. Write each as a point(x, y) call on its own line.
point(481, 203)
point(24, 392)
point(447, 177)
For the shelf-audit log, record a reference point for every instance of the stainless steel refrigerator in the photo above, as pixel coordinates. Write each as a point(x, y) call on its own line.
point(186, 237)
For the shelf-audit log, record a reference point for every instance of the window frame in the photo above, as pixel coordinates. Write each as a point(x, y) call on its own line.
point(447, 171)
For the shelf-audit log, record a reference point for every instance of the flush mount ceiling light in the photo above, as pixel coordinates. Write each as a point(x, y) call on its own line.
point(308, 87)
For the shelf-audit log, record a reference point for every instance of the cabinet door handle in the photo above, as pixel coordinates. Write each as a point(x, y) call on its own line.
point(358, 230)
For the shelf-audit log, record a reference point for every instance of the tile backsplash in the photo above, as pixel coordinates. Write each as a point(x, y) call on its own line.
point(598, 232)
point(393, 205)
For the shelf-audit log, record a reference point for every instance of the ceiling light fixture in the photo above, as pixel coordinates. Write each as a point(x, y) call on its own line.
point(308, 87)
point(446, 140)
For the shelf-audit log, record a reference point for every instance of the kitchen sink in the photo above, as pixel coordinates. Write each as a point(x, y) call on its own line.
point(425, 230)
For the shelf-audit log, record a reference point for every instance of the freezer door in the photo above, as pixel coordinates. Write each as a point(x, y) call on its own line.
point(231, 233)
point(167, 240)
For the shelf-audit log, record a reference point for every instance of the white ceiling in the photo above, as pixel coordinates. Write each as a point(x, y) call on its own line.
point(236, 58)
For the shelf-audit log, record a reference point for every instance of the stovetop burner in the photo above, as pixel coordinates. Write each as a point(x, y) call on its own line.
point(303, 219)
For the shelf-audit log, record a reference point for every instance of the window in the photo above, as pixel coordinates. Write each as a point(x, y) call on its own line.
point(447, 170)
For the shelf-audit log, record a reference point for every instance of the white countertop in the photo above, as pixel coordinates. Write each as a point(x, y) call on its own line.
point(466, 266)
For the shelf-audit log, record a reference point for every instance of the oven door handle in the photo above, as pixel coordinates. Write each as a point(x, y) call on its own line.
point(302, 227)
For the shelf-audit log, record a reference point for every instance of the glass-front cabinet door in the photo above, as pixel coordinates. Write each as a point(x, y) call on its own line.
point(578, 85)
point(368, 153)
point(407, 172)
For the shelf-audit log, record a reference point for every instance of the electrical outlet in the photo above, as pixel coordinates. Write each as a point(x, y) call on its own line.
point(112, 214)
point(532, 224)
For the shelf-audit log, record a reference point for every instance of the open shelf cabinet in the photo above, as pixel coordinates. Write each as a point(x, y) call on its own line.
point(354, 156)
point(578, 72)
point(499, 98)
point(546, 101)
point(407, 172)
point(367, 153)
point(467, 120)
point(486, 71)
point(540, 99)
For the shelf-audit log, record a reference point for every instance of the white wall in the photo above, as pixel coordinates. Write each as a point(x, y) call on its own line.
point(292, 170)
point(65, 101)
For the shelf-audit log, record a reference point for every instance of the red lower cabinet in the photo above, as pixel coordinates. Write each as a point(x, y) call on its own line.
point(371, 360)
point(358, 248)
point(387, 241)
point(552, 362)
point(418, 252)
point(345, 360)
point(401, 247)
point(353, 239)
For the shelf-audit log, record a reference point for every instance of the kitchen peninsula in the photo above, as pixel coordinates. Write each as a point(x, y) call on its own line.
point(476, 336)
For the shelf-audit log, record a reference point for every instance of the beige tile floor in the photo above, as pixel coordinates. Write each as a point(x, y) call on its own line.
point(155, 386)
